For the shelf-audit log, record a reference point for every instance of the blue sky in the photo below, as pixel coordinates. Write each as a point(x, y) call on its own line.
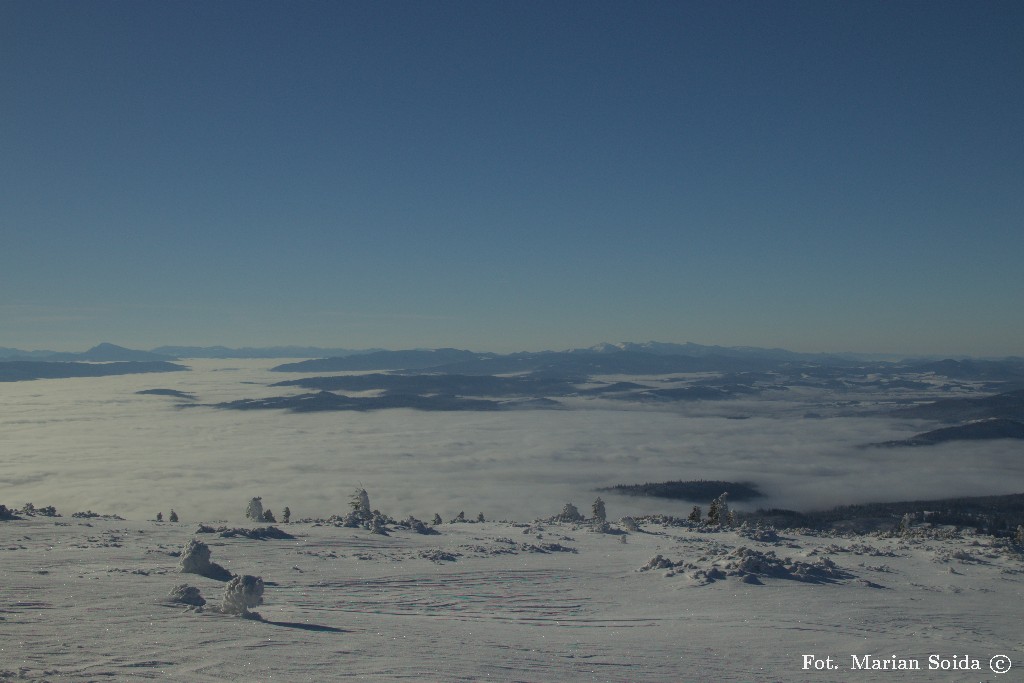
point(821, 176)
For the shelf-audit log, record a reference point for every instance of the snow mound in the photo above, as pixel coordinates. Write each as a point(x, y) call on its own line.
point(195, 559)
point(258, 534)
point(241, 593)
point(186, 595)
point(743, 561)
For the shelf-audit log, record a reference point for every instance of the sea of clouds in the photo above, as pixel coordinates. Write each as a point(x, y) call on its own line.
point(94, 444)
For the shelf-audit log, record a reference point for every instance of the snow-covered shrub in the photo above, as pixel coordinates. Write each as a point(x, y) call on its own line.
point(437, 519)
point(173, 516)
point(159, 516)
point(268, 516)
point(658, 562)
point(630, 524)
point(459, 518)
point(286, 516)
point(480, 517)
point(725, 517)
point(352, 520)
point(195, 559)
point(695, 514)
point(186, 595)
point(361, 502)
point(260, 533)
point(758, 533)
point(1019, 536)
point(47, 511)
point(241, 593)
point(377, 525)
point(419, 527)
point(254, 510)
point(569, 513)
point(597, 508)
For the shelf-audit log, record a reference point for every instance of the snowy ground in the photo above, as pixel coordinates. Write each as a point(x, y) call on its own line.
point(87, 600)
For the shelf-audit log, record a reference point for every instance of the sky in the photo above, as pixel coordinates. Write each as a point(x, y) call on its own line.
point(502, 176)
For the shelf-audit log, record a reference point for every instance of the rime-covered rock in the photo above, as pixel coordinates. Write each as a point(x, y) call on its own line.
point(241, 593)
point(195, 559)
point(186, 595)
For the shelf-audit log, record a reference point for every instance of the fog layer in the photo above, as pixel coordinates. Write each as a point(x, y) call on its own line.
point(93, 443)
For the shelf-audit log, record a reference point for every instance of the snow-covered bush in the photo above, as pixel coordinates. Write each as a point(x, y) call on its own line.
point(268, 516)
point(569, 513)
point(46, 511)
point(361, 502)
point(695, 514)
point(658, 562)
point(377, 525)
point(719, 513)
point(186, 595)
point(598, 510)
point(173, 517)
point(254, 510)
point(241, 593)
point(419, 527)
point(195, 559)
point(630, 524)
point(437, 519)
point(286, 516)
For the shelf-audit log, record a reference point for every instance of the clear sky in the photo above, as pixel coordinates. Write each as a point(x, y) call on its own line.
point(821, 176)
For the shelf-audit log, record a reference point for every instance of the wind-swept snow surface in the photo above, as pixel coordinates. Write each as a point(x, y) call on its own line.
point(88, 600)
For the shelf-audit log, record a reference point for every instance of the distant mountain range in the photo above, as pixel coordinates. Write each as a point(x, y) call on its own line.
point(1008, 405)
point(793, 369)
point(429, 357)
point(979, 430)
point(106, 352)
point(22, 370)
point(738, 366)
point(257, 352)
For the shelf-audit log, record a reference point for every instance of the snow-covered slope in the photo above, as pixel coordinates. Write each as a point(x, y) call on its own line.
point(88, 599)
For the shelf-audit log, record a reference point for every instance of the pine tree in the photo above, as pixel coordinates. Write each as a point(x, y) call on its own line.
point(713, 512)
point(695, 514)
point(174, 516)
point(725, 517)
point(437, 519)
point(159, 516)
point(361, 502)
point(598, 510)
point(480, 517)
point(286, 515)
point(254, 510)
point(459, 518)
point(268, 516)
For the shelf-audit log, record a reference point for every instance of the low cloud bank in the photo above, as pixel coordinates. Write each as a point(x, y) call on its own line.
point(96, 444)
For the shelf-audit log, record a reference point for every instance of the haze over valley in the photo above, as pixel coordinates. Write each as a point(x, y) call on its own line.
point(511, 435)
